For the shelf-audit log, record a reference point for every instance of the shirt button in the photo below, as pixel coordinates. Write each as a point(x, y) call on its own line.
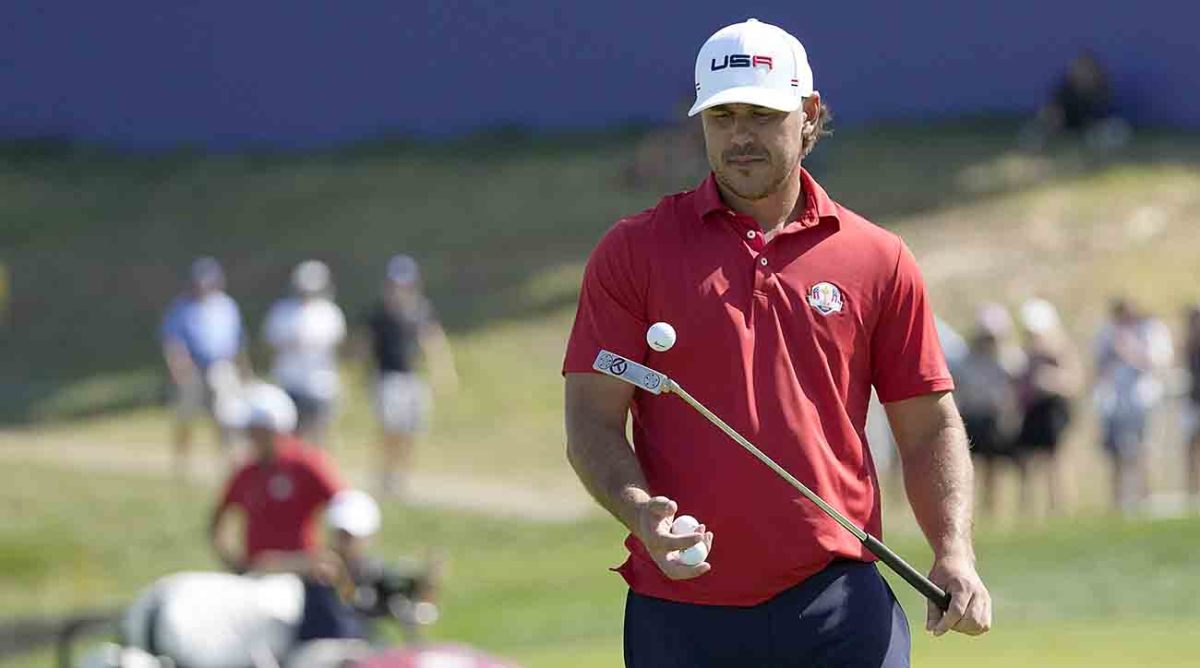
point(750, 234)
point(762, 261)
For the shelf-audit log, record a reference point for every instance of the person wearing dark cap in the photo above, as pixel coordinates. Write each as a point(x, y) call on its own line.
point(404, 330)
point(202, 343)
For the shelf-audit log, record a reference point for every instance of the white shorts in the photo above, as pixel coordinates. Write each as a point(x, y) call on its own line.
point(402, 403)
point(206, 391)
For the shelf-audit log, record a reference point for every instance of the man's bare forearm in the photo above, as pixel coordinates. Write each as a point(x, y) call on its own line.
point(939, 482)
point(938, 475)
point(607, 467)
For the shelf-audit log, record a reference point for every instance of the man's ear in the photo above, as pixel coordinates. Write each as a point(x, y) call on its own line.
point(811, 109)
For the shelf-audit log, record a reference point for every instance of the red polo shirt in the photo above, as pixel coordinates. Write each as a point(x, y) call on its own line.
point(281, 498)
point(783, 340)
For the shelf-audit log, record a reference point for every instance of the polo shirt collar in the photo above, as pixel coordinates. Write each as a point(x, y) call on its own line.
point(817, 205)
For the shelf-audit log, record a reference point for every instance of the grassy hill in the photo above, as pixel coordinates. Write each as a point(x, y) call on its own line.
point(96, 244)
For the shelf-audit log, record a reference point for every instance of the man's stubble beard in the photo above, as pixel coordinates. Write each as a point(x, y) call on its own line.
point(773, 187)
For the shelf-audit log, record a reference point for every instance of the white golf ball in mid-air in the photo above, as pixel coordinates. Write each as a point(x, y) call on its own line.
point(685, 524)
point(661, 336)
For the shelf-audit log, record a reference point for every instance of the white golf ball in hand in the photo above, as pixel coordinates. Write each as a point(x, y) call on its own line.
point(661, 336)
point(696, 554)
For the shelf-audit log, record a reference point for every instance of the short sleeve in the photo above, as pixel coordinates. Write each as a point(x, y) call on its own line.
point(234, 492)
point(326, 481)
point(612, 304)
point(906, 356)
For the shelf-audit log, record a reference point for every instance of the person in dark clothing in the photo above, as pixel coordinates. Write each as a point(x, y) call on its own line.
point(1053, 376)
point(987, 397)
point(404, 333)
point(1081, 104)
point(345, 589)
point(1191, 357)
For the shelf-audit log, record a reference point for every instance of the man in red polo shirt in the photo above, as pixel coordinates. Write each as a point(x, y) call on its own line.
point(280, 492)
point(789, 308)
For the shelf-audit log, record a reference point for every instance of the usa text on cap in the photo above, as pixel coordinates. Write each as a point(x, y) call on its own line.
point(752, 63)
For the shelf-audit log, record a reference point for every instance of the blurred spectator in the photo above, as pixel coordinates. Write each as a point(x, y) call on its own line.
point(1131, 351)
point(954, 346)
point(1191, 354)
point(669, 156)
point(345, 588)
point(1080, 105)
point(331, 574)
point(879, 433)
point(986, 393)
point(1052, 377)
point(279, 492)
point(403, 329)
point(5, 287)
point(304, 331)
point(202, 343)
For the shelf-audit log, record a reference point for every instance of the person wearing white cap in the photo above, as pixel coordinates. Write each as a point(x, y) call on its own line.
point(404, 332)
point(789, 308)
point(331, 573)
point(1049, 383)
point(305, 330)
point(986, 394)
point(280, 492)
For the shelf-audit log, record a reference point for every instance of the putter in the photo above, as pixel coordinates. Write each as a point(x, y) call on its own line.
point(658, 383)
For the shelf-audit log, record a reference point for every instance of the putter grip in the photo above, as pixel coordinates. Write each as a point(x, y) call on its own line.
point(919, 582)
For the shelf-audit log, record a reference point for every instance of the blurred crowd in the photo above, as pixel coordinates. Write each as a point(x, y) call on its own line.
point(273, 432)
point(1022, 381)
point(205, 346)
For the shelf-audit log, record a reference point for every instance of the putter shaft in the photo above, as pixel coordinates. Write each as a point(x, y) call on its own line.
point(658, 383)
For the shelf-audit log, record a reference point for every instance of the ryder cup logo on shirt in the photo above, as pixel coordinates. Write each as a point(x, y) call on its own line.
point(825, 298)
point(280, 487)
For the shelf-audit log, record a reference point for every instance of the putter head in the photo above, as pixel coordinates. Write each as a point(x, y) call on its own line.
point(631, 372)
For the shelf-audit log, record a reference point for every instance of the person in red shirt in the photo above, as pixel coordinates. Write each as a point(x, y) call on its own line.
point(789, 309)
point(280, 492)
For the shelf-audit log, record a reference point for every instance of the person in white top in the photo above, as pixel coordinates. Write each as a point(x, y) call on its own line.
point(1132, 352)
point(304, 331)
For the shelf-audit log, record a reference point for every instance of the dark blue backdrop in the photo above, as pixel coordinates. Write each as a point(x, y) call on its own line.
point(224, 73)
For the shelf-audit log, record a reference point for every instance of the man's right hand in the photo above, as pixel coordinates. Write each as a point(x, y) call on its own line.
point(653, 528)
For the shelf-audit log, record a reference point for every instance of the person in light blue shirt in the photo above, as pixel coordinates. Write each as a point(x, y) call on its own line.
point(202, 342)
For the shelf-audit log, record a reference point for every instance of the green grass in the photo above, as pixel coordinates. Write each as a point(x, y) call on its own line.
point(98, 241)
point(1090, 593)
point(95, 243)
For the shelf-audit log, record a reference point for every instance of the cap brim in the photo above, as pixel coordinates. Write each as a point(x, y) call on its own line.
point(772, 99)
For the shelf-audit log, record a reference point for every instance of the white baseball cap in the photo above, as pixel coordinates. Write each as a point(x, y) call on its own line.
point(354, 512)
point(310, 276)
point(752, 63)
point(1039, 316)
point(269, 407)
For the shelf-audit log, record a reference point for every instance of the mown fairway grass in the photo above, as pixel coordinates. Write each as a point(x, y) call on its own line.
point(1088, 593)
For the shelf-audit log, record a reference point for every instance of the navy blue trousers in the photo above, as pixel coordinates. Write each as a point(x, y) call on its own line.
point(845, 616)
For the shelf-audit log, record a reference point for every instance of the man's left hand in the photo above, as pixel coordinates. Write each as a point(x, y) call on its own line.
point(970, 610)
